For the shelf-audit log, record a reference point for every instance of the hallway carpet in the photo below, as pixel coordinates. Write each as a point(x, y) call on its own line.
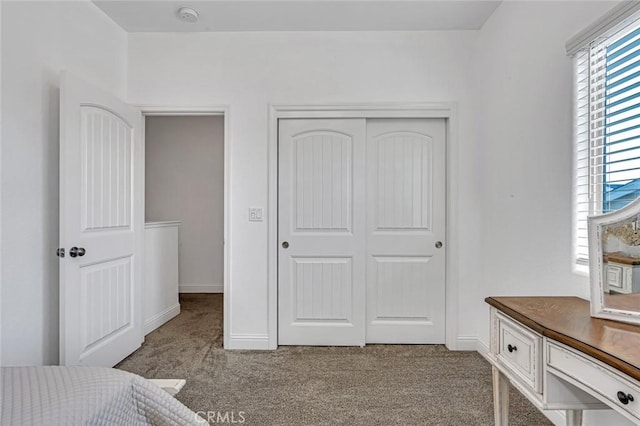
point(374, 385)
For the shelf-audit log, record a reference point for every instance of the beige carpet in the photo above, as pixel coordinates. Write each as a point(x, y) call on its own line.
point(374, 385)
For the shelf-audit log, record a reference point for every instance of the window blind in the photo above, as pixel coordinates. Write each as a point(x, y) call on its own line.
point(581, 132)
point(607, 127)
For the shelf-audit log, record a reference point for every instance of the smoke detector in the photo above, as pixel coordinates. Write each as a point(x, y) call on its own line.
point(187, 14)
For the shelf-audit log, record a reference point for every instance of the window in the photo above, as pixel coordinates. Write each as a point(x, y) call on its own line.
point(607, 126)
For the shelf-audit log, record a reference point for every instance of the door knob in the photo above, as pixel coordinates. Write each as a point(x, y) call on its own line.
point(75, 251)
point(438, 244)
point(285, 245)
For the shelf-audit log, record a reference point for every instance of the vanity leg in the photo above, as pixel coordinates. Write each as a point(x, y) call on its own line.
point(574, 417)
point(501, 398)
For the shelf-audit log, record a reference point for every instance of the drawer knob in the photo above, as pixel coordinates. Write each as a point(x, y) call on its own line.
point(511, 348)
point(625, 397)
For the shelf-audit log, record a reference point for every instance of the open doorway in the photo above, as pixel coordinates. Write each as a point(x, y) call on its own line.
point(184, 217)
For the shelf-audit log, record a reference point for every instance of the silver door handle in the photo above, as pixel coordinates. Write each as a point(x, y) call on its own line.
point(438, 244)
point(77, 251)
point(285, 245)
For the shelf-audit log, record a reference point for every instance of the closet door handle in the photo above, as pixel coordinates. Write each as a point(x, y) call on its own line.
point(511, 348)
point(75, 252)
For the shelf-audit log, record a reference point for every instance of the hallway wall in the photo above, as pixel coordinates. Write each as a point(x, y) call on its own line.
point(185, 181)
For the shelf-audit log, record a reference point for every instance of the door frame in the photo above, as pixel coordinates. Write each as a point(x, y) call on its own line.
point(208, 110)
point(445, 110)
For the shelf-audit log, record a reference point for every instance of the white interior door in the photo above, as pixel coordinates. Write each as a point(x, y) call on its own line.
point(405, 222)
point(321, 227)
point(101, 226)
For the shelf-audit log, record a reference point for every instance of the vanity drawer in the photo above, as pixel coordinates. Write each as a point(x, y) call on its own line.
point(620, 277)
point(615, 275)
point(601, 379)
point(519, 351)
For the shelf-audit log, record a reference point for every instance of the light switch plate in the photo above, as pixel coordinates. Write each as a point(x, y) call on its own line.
point(255, 214)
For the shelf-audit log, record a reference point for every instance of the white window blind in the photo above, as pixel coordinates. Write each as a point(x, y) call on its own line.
point(581, 132)
point(607, 127)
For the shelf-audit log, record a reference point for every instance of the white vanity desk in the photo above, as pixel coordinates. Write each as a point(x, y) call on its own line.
point(561, 358)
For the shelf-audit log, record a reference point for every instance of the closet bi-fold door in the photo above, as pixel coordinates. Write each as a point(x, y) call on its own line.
point(321, 228)
point(405, 231)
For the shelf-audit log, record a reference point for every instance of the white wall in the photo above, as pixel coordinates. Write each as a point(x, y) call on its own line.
point(248, 71)
point(185, 182)
point(524, 126)
point(38, 40)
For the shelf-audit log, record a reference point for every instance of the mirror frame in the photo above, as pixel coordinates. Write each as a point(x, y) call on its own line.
point(596, 265)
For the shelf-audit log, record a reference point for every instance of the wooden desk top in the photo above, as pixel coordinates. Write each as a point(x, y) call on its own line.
point(568, 320)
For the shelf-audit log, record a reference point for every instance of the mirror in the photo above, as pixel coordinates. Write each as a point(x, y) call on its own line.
point(614, 264)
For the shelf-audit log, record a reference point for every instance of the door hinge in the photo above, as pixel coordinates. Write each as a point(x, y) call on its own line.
point(60, 252)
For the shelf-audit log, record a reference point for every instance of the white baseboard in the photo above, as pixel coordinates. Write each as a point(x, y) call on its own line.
point(483, 350)
point(201, 288)
point(160, 318)
point(472, 343)
point(466, 343)
point(248, 341)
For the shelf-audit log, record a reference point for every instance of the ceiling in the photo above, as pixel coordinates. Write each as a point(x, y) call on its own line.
point(300, 15)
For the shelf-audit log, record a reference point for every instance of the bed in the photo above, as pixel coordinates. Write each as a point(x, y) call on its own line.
point(86, 396)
